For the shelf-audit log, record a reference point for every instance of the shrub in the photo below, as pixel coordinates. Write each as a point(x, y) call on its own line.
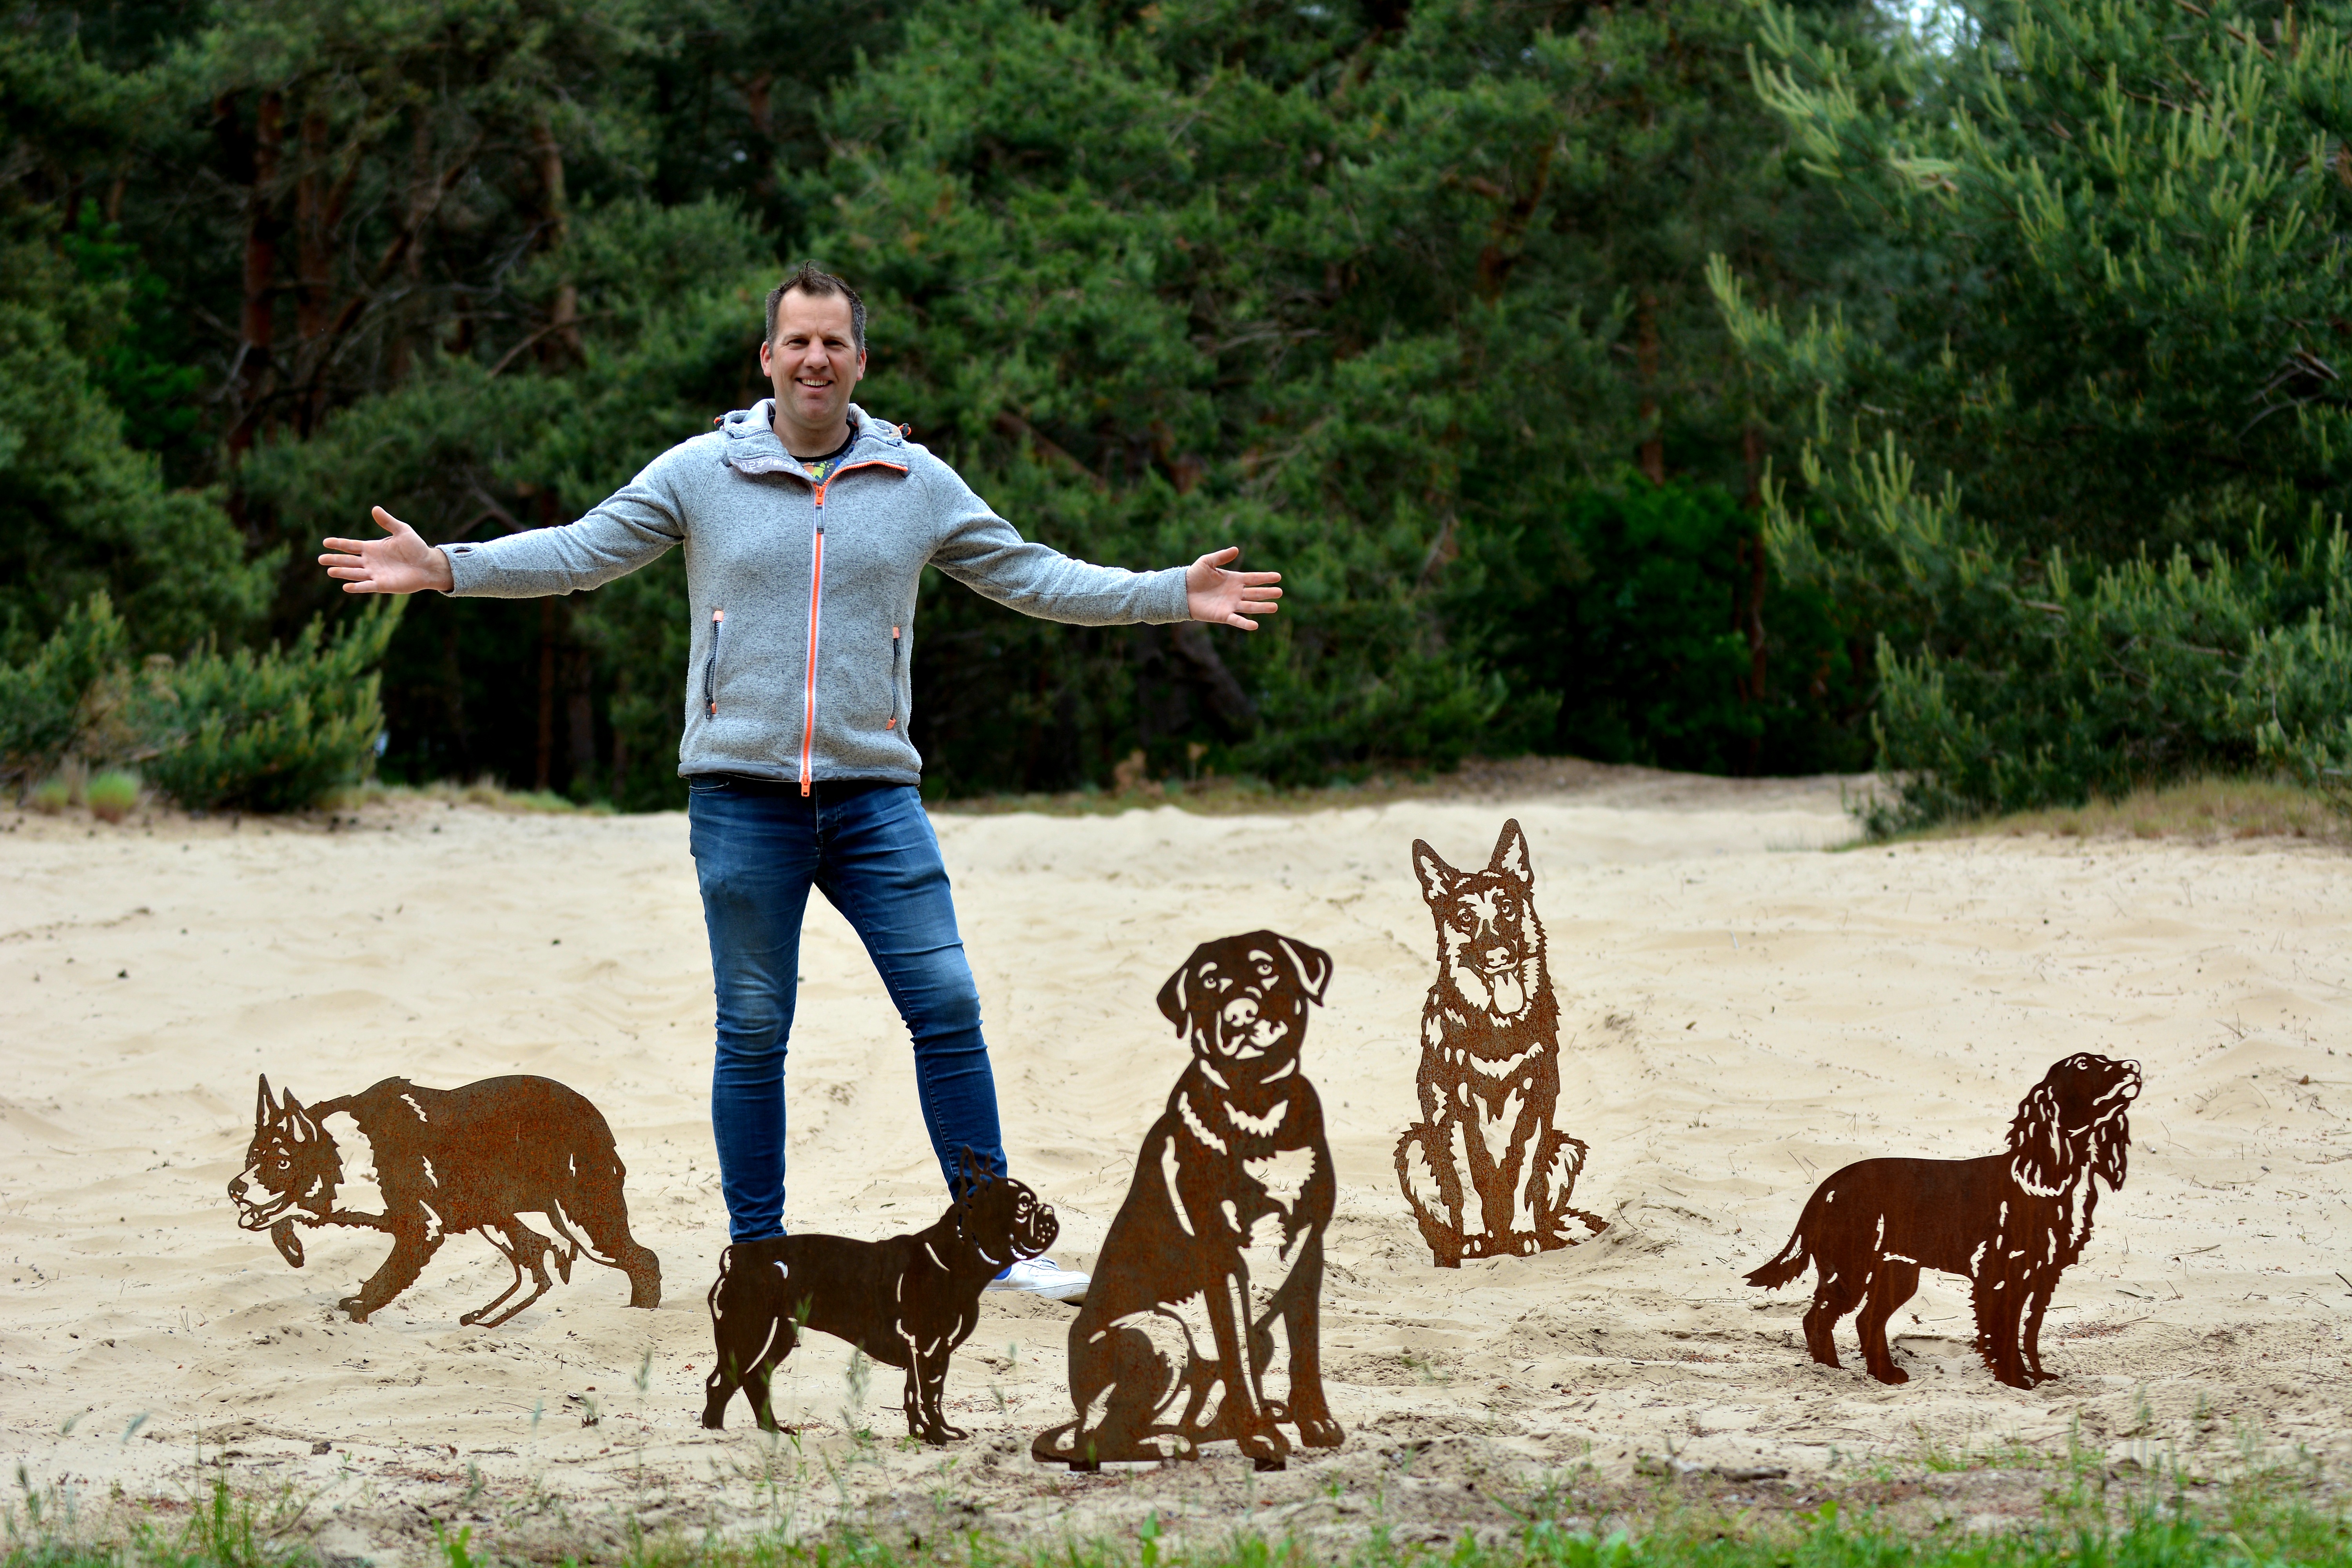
point(2052, 692)
point(271, 731)
point(47, 704)
point(111, 797)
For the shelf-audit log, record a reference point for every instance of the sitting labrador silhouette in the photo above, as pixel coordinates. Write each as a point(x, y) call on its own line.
point(1220, 1235)
point(446, 1160)
point(2010, 1224)
point(908, 1301)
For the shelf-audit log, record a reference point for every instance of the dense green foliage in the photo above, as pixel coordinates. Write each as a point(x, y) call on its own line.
point(1606, 379)
point(1381, 293)
point(273, 730)
point(2087, 478)
point(45, 702)
point(268, 731)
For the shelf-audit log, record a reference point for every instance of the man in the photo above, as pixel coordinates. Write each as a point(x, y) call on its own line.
point(806, 525)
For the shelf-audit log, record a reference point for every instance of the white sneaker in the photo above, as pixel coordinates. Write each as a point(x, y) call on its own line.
point(1042, 1277)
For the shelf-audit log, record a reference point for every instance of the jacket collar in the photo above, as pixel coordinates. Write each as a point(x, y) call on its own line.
point(751, 447)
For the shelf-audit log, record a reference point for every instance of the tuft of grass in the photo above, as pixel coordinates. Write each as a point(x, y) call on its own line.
point(52, 797)
point(2201, 811)
point(111, 797)
point(484, 790)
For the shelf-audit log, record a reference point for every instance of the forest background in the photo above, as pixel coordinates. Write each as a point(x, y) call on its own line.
point(1721, 385)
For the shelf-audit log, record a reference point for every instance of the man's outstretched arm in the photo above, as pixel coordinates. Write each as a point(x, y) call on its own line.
point(400, 563)
point(630, 527)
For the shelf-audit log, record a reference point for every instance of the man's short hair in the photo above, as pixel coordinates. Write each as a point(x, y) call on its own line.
point(815, 281)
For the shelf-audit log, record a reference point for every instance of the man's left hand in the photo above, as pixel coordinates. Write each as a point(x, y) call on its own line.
point(1229, 598)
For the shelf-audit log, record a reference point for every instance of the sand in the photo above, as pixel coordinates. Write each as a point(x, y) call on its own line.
point(1743, 1013)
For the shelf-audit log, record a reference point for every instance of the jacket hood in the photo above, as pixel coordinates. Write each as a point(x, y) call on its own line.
point(751, 447)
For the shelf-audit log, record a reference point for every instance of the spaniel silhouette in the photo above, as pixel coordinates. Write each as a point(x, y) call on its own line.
point(446, 1160)
point(2010, 1224)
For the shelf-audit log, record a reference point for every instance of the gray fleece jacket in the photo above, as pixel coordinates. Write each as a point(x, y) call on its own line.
point(803, 595)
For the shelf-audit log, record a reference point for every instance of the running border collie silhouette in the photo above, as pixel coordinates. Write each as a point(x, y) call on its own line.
point(448, 1161)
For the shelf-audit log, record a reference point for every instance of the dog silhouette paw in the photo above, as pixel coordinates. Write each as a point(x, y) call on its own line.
point(1892, 1375)
point(1321, 1432)
point(355, 1306)
point(944, 1433)
point(1266, 1444)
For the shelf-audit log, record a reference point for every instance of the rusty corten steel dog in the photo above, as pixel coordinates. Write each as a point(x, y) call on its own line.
point(1220, 1235)
point(1485, 1171)
point(445, 1161)
point(908, 1301)
point(2010, 1224)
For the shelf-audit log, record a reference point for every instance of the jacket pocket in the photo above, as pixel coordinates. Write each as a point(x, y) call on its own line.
point(896, 666)
point(711, 667)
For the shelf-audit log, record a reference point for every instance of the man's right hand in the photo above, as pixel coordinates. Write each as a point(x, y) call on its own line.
point(401, 563)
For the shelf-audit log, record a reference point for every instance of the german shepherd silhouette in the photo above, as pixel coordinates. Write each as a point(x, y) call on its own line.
point(448, 1161)
point(1485, 1171)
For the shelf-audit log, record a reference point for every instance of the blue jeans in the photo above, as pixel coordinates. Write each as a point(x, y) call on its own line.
point(868, 847)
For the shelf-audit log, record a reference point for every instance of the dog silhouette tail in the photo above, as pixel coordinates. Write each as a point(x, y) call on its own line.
point(1791, 1261)
point(1053, 1446)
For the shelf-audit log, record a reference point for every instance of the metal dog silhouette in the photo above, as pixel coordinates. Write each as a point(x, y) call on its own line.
point(1484, 1172)
point(908, 1301)
point(1220, 1235)
point(446, 1160)
point(2010, 1224)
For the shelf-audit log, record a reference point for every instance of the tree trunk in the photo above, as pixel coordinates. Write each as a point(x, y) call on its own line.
point(759, 101)
point(257, 325)
point(423, 195)
point(1750, 618)
point(580, 712)
point(311, 262)
point(1645, 351)
point(541, 774)
point(561, 344)
point(453, 692)
point(616, 782)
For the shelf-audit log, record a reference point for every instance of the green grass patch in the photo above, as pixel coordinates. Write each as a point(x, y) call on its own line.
point(2087, 1519)
point(2202, 810)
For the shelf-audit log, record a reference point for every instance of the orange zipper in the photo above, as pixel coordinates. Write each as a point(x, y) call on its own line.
point(816, 606)
point(816, 603)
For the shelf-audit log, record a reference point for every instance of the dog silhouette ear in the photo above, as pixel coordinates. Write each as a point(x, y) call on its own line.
point(298, 1121)
point(1436, 877)
point(1314, 966)
point(970, 1177)
point(1176, 997)
point(2036, 1154)
point(263, 1106)
point(2111, 1149)
point(1511, 855)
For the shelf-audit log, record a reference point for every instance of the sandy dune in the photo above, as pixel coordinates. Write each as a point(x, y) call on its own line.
point(1743, 1015)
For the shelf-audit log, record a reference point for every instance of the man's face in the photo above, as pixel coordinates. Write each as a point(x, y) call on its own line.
point(813, 361)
